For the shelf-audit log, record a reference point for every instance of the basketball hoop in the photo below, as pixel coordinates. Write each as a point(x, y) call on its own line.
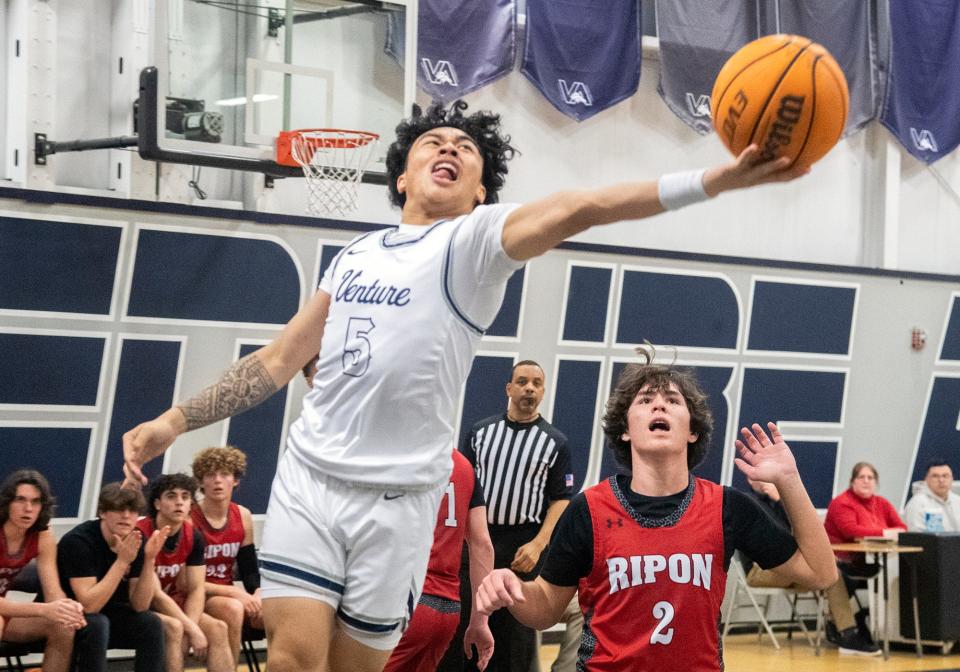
point(333, 161)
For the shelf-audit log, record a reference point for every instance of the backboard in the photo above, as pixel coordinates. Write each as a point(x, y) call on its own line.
point(237, 72)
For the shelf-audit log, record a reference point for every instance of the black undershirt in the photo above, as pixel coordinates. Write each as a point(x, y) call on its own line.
point(747, 527)
point(196, 553)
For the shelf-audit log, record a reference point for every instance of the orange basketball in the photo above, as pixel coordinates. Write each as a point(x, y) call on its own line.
point(784, 93)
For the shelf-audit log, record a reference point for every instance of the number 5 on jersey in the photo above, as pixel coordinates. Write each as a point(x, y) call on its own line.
point(356, 349)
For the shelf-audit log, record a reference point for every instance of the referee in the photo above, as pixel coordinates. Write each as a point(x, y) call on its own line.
point(523, 464)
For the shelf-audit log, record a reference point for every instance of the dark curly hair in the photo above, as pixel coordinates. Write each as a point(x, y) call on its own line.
point(8, 492)
point(634, 378)
point(167, 482)
point(482, 127)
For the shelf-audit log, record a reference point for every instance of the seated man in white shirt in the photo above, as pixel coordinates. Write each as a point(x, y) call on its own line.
point(934, 507)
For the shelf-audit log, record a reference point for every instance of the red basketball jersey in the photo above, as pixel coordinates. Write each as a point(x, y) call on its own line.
point(169, 564)
point(12, 564)
point(223, 543)
point(653, 596)
point(443, 570)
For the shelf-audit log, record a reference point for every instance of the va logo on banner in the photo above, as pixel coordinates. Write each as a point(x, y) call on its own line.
point(923, 140)
point(441, 72)
point(576, 93)
point(699, 106)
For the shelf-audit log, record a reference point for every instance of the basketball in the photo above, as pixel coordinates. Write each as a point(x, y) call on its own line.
point(786, 94)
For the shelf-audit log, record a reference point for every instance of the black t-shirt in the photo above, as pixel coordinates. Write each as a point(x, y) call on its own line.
point(775, 508)
point(746, 527)
point(83, 552)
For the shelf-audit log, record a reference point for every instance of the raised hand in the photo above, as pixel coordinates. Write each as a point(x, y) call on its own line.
point(765, 458)
point(501, 588)
point(478, 635)
point(128, 546)
point(155, 542)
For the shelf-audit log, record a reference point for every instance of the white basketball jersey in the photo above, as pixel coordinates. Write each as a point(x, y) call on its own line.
point(407, 310)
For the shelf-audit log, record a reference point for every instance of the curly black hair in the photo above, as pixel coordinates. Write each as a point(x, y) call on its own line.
point(658, 378)
point(482, 127)
point(167, 482)
point(8, 492)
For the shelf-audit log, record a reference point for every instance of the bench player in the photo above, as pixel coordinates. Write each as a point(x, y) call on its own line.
point(227, 529)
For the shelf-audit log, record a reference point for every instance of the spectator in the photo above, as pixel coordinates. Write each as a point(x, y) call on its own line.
point(26, 507)
point(934, 507)
point(860, 512)
point(103, 566)
point(856, 513)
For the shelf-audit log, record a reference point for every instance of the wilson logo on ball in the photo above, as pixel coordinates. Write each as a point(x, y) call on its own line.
point(788, 115)
point(783, 93)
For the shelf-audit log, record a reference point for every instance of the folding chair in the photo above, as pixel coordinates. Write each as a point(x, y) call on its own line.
point(247, 638)
point(792, 595)
point(12, 652)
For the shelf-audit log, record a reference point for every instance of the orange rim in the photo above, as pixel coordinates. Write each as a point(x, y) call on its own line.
point(349, 139)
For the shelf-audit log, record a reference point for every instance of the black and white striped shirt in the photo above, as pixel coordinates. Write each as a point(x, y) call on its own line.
point(522, 466)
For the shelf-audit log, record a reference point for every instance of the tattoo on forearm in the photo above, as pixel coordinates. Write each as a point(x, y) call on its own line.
point(242, 386)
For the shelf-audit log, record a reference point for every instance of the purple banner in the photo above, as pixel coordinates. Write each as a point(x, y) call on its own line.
point(583, 55)
point(462, 45)
point(922, 105)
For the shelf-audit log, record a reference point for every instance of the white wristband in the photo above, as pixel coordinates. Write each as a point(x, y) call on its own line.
point(676, 190)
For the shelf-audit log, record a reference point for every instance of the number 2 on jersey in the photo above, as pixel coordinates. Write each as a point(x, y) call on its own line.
point(356, 348)
point(664, 612)
point(451, 520)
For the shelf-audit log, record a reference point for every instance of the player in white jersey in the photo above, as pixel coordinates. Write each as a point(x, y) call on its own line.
point(397, 317)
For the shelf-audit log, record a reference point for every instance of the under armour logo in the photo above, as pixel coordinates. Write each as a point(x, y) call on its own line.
point(576, 93)
point(610, 523)
point(699, 106)
point(441, 72)
point(923, 140)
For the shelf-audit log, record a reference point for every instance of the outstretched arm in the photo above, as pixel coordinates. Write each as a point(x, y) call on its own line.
point(768, 458)
point(244, 385)
point(536, 227)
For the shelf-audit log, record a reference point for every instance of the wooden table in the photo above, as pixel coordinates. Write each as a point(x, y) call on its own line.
point(882, 551)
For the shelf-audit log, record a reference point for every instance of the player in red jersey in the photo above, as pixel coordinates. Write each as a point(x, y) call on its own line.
point(227, 528)
point(180, 569)
point(26, 507)
point(462, 514)
point(649, 550)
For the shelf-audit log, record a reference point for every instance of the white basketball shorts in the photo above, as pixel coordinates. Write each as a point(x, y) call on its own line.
point(362, 551)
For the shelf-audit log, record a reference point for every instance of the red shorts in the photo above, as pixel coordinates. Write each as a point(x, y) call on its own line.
point(424, 642)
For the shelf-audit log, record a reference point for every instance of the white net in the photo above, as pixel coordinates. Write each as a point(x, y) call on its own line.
point(333, 162)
